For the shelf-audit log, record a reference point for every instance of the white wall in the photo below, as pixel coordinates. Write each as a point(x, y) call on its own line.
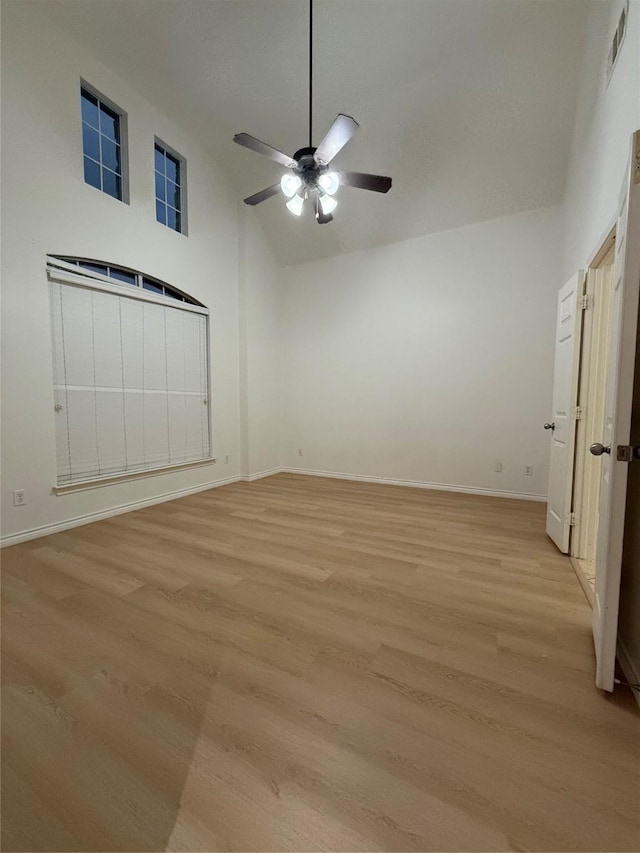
point(428, 360)
point(606, 116)
point(260, 366)
point(47, 208)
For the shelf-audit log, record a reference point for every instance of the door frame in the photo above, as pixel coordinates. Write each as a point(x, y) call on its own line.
point(622, 378)
point(585, 485)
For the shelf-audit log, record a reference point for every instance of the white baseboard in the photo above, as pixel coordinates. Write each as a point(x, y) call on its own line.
point(629, 669)
point(417, 484)
point(49, 529)
point(249, 478)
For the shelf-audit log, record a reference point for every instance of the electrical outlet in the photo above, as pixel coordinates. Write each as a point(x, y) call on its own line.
point(497, 467)
point(226, 458)
point(528, 470)
point(19, 497)
point(299, 451)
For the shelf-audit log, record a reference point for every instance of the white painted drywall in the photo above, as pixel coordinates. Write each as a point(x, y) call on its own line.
point(260, 367)
point(606, 117)
point(47, 208)
point(428, 360)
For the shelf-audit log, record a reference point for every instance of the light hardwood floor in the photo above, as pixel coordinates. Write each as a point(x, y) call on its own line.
point(308, 664)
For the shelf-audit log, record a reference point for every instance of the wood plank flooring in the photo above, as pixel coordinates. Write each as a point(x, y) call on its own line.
point(307, 664)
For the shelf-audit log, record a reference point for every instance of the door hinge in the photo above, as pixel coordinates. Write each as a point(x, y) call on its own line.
point(628, 453)
point(576, 413)
point(573, 519)
point(584, 301)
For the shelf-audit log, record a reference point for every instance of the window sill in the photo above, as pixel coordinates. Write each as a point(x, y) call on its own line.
point(111, 479)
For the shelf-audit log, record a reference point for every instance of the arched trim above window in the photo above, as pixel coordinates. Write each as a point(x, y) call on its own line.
point(130, 374)
point(127, 276)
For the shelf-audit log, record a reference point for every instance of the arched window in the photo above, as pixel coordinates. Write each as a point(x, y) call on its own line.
point(131, 373)
point(125, 275)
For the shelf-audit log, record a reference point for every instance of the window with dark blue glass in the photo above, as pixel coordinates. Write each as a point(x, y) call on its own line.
point(169, 188)
point(101, 145)
point(125, 275)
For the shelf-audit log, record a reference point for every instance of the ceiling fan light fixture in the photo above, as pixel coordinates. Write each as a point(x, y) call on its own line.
point(290, 184)
point(327, 204)
point(295, 205)
point(329, 182)
point(307, 173)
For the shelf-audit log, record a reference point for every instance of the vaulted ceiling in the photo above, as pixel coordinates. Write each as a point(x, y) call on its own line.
point(467, 104)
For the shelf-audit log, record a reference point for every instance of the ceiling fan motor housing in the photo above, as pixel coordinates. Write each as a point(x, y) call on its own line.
point(308, 168)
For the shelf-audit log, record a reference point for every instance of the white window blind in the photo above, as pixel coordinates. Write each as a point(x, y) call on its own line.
point(130, 381)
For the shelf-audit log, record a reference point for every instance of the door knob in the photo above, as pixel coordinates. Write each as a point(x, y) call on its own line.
point(598, 449)
point(550, 426)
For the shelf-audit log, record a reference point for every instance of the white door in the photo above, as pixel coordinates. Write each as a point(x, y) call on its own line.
point(617, 426)
point(565, 398)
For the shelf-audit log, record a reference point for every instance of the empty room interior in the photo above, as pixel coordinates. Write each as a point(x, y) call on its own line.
point(320, 425)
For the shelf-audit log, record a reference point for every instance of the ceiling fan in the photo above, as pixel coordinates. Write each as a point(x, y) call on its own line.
point(308, 175)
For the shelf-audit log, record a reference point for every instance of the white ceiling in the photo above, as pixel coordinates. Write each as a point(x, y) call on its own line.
point(467, 104)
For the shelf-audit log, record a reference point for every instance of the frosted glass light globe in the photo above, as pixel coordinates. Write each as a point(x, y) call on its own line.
point(329, 182)
point(290, 184)
point(327, 204)
point(295, 205)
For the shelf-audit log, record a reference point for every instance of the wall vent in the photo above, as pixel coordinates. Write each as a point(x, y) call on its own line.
point(618, 38)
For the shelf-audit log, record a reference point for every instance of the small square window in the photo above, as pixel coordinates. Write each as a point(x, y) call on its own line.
point(109, 123)
point(91, 143)
point(172, 169)
point(170, 188)
point(161, 212)
point(90, 109)
point(111, 183)
point(102, 144)
point(160, 187)
point(92, 173)
point(173, 194)
point(173, 218)
point(110, 155)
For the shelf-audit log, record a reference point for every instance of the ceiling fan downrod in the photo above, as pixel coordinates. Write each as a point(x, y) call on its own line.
point(310, 73)
point(308, 175)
